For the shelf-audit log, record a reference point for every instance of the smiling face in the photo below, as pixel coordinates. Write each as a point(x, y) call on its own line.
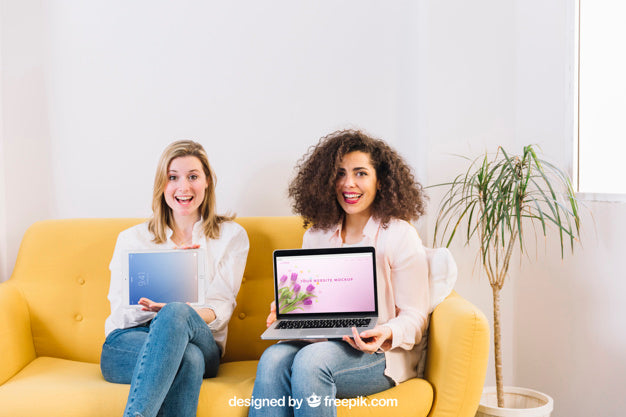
point(186, 186)
point(356, 184)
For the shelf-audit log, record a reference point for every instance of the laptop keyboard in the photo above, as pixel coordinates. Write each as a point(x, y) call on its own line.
point(322, 323)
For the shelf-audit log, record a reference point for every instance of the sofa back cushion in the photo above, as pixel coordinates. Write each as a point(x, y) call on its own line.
point(257, 288)
point(62, 270)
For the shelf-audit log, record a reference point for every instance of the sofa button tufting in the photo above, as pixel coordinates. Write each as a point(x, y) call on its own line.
point(242, 316)
point(79, 317)
point(81, 281)
point(243, 280)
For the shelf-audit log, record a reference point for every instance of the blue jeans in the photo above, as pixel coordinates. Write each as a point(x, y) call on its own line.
point(164, 360)
point(298, 370)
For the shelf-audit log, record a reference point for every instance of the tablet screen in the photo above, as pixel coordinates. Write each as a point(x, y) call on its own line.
point(163, 276)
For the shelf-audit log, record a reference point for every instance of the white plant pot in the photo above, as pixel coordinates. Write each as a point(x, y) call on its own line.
point(518, 402)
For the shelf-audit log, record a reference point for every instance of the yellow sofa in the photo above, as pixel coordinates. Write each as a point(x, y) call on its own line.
point(52, 313)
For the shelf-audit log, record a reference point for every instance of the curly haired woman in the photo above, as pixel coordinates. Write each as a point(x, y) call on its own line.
point(354, 190)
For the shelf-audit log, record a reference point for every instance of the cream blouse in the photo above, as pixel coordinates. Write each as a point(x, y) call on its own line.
point(403, 289)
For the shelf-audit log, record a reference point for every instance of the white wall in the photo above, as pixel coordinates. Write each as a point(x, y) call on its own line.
point(569, 333)
point(570, 336)
point(92, 92)
point(26, 181)
point(468, 81)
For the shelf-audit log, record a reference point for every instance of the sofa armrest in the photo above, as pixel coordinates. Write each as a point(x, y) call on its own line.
point(16, 342)
point(458, 350)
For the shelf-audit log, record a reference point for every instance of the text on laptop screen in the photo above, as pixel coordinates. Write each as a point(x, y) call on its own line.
point(163, 276)
point(325, 283)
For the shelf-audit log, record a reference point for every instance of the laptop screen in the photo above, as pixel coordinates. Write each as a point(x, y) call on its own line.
point(334, 280)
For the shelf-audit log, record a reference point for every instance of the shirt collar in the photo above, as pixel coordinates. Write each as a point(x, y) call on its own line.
point(370, 231)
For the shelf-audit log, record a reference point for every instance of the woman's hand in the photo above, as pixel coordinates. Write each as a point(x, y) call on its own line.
point(207, 314)
point(188, 247)
point(149, 305)
point(371, 340)
point(271, 318)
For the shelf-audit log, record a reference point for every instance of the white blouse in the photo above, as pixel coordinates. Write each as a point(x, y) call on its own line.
point(225, 261)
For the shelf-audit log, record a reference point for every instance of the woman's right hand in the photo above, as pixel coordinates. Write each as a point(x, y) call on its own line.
point(271, 318)
point(149, 305)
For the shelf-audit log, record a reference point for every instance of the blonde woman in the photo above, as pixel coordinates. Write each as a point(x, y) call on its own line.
point(165, 350)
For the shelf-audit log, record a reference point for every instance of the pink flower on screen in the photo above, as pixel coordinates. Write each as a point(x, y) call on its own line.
point(292, 295)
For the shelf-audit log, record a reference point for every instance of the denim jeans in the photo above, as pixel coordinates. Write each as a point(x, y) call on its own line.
point(164, 360)
point(298, 370)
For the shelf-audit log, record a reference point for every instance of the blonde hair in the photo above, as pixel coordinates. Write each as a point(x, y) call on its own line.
point(162, 213)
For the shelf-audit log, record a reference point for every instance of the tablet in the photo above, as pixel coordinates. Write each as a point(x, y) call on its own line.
point(164, 276)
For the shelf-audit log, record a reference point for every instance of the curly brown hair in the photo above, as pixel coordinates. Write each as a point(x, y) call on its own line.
point(312, 190)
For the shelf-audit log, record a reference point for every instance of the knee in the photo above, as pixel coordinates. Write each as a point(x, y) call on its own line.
point(275, 356)
point(174, 313)
point(176, 309)
point(275, 360)
point(192, 362)
point(309, 363)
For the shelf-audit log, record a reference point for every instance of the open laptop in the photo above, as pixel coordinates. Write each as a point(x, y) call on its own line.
point(164, 276)
point(323, 293)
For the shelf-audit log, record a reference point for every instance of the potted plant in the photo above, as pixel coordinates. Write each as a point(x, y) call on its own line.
point(501, 201)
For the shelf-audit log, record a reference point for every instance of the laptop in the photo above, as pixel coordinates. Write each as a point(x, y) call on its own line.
point(164, 276)
point(323, 293)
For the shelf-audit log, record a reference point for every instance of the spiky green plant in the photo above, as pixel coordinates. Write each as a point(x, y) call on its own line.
point(501, 201)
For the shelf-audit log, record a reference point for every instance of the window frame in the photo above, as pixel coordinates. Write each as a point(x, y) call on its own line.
point(584, 195)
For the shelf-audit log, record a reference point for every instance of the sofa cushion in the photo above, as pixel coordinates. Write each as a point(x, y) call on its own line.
point(65, 388)
point(442, 273)
point(62, 387)
point(411, 398)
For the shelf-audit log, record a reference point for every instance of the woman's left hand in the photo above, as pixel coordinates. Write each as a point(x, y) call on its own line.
point(149, 305)
point(371, 340)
